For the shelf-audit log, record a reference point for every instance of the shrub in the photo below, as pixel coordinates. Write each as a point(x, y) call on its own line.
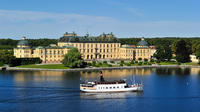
point(24, 61)
point(109, 65)
point(178, 63)
point(89, 64)
point(121, 64)
point(145, 63)
point(149, 63)
point(1, 63)
point(152, 60)
point(145, 60)
point(105, 62)
point(112, 62)
point(93, 63)
point(157, 61)
point(140, 59)
point(140, 63)
point(100, 64)
point(132, 62)
point(122, 61)
point(128, 64)
point(136, 61)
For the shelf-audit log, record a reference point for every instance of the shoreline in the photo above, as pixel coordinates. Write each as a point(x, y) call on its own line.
point(98, 68)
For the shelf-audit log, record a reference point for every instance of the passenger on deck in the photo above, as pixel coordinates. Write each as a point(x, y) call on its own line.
point(101, 77)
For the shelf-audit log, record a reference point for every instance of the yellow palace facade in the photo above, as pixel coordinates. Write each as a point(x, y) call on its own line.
point(103, 47)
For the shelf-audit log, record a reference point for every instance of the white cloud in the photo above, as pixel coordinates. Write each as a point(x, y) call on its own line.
point(15, 24)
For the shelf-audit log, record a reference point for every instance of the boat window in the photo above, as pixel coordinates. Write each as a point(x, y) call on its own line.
point(117, 86)
point(106, 87)
point(110, 87)
point(113, 87)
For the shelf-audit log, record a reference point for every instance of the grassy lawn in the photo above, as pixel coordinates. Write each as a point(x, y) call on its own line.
point(49, 66)
point(168, 63)
point(195, 64)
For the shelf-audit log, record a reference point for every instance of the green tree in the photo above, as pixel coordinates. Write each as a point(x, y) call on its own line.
point(198, 51)
point(163, 52)
point(6, 57)
point(73, 59)
point(182, 51)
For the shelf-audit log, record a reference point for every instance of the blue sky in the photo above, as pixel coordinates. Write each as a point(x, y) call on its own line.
point(125, 18)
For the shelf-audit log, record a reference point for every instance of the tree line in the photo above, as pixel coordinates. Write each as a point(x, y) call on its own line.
point(10, 43)
point(180, 47)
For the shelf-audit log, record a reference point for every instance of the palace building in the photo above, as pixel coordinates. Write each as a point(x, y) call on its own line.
point(103, 47)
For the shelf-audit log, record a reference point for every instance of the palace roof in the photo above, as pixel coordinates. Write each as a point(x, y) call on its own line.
point(104, 38)
point(142, 43)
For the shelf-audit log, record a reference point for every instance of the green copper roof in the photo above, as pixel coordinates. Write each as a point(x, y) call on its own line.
point(88, 39)
point(23, 42)
point(142, 43)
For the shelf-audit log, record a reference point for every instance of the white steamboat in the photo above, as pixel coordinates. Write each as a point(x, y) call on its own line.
point(115, 86)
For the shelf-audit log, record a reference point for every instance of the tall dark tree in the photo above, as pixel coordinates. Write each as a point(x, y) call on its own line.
point(163, 50)
point(6, 57)
point(197, 52)
point(182, 51)
point(73, 59)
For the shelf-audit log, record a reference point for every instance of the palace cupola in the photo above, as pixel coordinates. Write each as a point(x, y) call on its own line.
point(23, 43)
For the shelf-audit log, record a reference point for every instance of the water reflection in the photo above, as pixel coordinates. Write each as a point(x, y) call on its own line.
point(121, 95)
point(59, 76)
point(177, 71)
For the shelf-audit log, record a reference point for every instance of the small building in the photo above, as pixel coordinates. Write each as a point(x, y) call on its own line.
point(194, 59)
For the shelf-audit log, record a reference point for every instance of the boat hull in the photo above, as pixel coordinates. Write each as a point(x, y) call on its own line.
point(132, 89)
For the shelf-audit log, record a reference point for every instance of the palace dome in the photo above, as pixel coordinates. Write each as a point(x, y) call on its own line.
point(142, 43)
point(23, 42)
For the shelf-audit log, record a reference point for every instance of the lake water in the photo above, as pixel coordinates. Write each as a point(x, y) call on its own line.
point(165, 90)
